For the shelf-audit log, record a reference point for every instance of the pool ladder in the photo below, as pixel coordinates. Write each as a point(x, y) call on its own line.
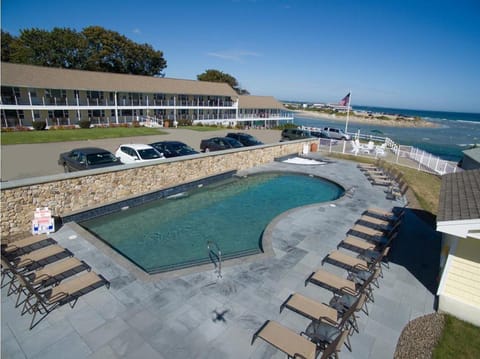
point(215, 255)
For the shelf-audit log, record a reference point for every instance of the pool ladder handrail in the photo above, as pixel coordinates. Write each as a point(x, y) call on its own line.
point(210, 245)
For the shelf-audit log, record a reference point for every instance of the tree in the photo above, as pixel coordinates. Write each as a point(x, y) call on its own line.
point(7, 41)
point(94, 49)
point(219, 76)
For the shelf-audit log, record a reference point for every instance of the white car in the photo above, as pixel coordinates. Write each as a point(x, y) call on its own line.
point(136, 152)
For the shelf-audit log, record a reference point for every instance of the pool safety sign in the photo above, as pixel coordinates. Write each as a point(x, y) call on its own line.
point(43, 221)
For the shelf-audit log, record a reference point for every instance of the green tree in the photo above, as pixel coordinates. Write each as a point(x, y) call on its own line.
point(94, 49)
point(7, 41)
point(219, 76)
point(110, 51)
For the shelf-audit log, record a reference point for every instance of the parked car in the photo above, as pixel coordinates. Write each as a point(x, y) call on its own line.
point(87, 158)
point(173, 148)
point(218, 144)
point(336, 133)
point(137, 152)
point(290, 134)
point(245, 139)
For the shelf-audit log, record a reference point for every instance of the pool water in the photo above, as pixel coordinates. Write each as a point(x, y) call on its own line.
point(172, 233)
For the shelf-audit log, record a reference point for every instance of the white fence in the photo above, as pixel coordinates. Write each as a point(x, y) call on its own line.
point(404, 155)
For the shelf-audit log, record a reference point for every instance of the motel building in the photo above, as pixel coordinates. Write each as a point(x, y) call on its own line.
point(459, 222)
point(66, 97)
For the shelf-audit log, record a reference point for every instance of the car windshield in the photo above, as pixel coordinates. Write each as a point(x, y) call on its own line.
point(183, 149)
point(148, 154)
point(101, 158)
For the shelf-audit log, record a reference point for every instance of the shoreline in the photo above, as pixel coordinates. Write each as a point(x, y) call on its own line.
point(393, 121)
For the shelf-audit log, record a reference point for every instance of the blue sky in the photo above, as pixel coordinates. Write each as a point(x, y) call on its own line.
point(392, 53)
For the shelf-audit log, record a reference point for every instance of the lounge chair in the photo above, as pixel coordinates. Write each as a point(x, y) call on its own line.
point(339, 285)
point(360, 245)
point(384, 214)
point(66, 292)
point(397, 192)
point(321, 332)
point(356, 244)
point(41, 257)
point(346, 301)
point(26, 245)
point(310, 308)
point(295, 345)
point(56, 272)
point(343, 260)
point(51, 275)
point(381, 224)
point(376, 236)
point(285, 340)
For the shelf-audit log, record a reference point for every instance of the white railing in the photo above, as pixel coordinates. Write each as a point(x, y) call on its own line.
point(404, 155)
point(427, 161)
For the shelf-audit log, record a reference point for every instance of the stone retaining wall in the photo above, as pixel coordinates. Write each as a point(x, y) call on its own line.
point(68, 193)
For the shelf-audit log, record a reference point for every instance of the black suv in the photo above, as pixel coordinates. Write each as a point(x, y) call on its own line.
point(218, 144)
point(245, 139)
point(290, 134)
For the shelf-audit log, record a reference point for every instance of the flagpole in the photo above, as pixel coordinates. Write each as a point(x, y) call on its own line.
point(348, 110)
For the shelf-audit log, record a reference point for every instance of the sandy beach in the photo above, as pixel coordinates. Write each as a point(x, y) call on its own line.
point(390, 120)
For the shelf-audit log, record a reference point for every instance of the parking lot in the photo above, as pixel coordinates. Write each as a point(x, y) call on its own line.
point(33, 160)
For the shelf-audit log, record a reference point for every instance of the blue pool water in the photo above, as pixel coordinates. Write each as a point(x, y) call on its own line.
point(173, 233)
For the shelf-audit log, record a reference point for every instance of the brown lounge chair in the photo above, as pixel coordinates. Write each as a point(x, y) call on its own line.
point(285, 340)
point(310, 308)
point(26, 245)
point(66, 292)
point(324, 332)
point(41, 257)
point(380, 213)
point(343, 260)
point(51, 275)
point(373, 235)
point(294, 345)
point(377, 223)
point(361, 246)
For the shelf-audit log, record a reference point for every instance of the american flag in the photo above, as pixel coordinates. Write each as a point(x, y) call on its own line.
point(345, 101)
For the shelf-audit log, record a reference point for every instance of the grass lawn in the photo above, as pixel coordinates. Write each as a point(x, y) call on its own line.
point(23, 137)
point(459, 340)
point(203, 128)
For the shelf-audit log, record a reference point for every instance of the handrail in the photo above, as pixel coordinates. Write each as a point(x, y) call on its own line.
point(210, 245)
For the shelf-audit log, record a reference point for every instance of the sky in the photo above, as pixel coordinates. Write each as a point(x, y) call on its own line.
point(390, 53)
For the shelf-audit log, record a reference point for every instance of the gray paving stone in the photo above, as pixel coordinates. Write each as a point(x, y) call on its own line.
point(200, 316)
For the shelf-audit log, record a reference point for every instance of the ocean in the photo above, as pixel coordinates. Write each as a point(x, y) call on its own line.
point(456, 131)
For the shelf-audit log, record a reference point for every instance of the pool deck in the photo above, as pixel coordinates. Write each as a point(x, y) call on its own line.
point(197, 315)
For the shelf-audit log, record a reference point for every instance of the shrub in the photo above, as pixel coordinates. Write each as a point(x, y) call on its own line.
point(135, 124)
point(39, 125)
point(185, 122)
point(84, 123)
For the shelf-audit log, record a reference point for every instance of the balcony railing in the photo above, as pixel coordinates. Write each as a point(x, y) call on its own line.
point(104, 102)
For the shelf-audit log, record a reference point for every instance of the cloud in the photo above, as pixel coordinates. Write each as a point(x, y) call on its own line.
point(137, 31)
point(234, 55)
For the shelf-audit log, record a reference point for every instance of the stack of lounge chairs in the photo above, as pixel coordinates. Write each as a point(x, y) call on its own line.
point(362, 254)
point(390, 178)
point(44, 276)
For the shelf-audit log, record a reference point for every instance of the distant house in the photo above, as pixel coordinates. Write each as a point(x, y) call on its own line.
point(471, 159)
point(459, 222)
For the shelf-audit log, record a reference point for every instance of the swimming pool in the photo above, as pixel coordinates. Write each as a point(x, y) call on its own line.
point(173, 233)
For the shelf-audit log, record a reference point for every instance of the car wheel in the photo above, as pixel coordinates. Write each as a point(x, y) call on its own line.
point(66, 169)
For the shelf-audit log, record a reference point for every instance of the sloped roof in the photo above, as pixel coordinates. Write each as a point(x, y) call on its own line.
point(473, 153)
point(459, 196)
point(20, 75)
point(259, 102)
